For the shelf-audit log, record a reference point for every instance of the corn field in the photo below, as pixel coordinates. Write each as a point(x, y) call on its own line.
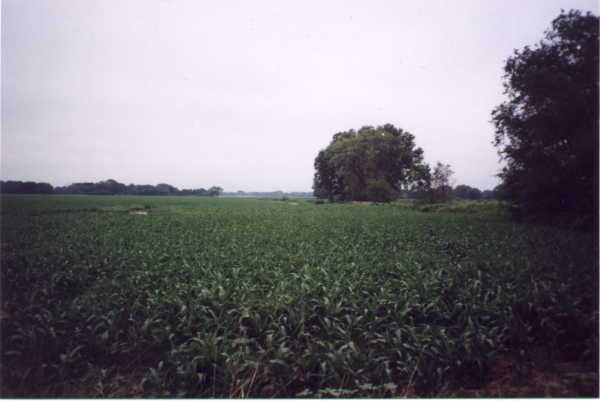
point(202, 297)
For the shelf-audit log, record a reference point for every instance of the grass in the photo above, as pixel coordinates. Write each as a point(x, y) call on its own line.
point(211, 297)
point(482, 207)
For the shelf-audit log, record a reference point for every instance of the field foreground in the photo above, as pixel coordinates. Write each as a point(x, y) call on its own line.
point(158, 296)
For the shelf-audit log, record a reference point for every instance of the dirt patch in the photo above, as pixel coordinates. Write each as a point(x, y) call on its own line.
point(363, 203)
point(142, 212)
point(139, 210)
point(559, 379)
point(367, 203)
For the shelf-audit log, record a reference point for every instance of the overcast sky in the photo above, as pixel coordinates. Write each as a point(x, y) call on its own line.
point(243, 94)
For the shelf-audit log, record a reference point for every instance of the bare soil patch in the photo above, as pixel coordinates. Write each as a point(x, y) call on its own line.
point(556, 379)
point(139, 210)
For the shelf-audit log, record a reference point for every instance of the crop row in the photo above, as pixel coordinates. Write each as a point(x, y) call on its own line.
point(229, 297)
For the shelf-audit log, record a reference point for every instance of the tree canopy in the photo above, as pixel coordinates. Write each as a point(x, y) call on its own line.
point(27, 187)
point(373, 163)
point(547, 131)
point(437, 184)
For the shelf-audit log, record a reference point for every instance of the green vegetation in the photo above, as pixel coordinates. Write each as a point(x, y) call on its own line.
point(371, 164)
point(244, 297)
point(490, 208)
point(107, 187)
point(547, 130)
point(382, 164)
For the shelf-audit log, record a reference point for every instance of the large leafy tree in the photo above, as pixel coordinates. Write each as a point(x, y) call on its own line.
point(547, 131)
point(373, 163)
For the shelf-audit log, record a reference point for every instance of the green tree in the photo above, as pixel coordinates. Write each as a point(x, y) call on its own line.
point(487, 194)
point(29, 187)
point(373, 163)
point(438, 185)
point(166, 189)
point(215, 191)
point(467, 192)
point(113, 187)
point(327, 183)
point(547, 131)
point(500, 192)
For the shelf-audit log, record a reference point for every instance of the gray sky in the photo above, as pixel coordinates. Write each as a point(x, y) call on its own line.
point(243, 94)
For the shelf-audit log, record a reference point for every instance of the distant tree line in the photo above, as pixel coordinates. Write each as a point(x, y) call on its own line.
point(471, 193)
point(460, 192)
point(112, 187)
point(27, 187)
point(108, 187)
point(271, 194)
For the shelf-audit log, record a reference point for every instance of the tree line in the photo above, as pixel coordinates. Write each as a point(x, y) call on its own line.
point(27, 187)
point(107, 187)
point(459, 192)
point(546, 132)
point(382, 164)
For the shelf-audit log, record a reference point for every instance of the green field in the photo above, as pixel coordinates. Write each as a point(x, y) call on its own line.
point(212, 297)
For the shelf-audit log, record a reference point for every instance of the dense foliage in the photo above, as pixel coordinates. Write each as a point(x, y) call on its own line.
point(112, 187)
point(212, 297)
point(108, 187)
point(25, 187)
point(547, 131)
point(371, 164)
point(467, 192)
